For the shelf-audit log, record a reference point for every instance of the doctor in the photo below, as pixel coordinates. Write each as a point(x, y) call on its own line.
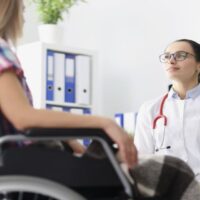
point(170, 124)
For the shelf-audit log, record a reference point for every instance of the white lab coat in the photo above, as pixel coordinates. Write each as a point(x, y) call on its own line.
point(182, 132)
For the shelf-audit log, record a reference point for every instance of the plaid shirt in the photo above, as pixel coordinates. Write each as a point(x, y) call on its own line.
point(9, 61)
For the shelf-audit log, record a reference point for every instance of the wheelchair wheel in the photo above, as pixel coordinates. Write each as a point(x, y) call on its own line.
point(32, 188)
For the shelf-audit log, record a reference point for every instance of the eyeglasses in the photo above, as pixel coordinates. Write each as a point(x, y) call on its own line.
point(178, 56)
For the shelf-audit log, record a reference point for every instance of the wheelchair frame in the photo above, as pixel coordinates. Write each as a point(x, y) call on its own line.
point(21, 185)
point(43, 134)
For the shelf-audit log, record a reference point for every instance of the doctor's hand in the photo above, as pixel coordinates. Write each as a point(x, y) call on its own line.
point(127, 150)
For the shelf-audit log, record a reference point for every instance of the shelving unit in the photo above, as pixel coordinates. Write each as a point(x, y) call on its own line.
point(55, 73)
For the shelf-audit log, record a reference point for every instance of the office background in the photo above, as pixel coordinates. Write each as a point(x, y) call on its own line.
point(128, 36)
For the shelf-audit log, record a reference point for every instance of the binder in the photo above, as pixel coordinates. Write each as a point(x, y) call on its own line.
point(50, 76)
point(82, 83)
point(87, 111)
point(59, 70)
point(127, 121)
point(69, 78)
point(78, 111)
point(66, 109)
point(81, 111)
point(54, 107)
point(86, 141)
point(119, 118)
point(130, 122)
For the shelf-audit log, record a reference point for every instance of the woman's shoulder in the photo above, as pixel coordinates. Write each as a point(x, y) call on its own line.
point(8, 58)
point(7, 52)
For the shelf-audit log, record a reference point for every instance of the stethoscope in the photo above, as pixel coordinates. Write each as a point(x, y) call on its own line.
point(158, 117)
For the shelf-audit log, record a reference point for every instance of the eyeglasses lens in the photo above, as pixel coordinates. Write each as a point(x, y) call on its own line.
point(178, 56)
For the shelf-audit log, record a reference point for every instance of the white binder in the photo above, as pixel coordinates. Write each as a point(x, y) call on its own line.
point(78, 111)
point(130, 122)
point(83, 70)
point(127, 120)
point(59, 77)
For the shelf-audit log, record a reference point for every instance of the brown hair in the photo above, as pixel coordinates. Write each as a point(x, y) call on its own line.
point(11, 19)
point(196, 48)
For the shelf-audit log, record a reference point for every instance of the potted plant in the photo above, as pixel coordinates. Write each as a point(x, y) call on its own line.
point(50, 13)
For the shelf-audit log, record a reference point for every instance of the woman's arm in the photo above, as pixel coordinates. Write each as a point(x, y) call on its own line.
point(16, 107)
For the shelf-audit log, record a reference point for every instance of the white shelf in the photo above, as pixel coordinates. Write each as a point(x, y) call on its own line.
point(73, 105)
point(34, 62)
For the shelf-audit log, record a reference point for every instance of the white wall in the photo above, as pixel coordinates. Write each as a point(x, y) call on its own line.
point(128, 36)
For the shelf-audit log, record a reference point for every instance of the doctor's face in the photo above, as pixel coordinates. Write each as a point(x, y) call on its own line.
point(180, 63)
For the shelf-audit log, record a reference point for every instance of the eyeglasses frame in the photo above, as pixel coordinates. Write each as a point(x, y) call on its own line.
point(174, 57)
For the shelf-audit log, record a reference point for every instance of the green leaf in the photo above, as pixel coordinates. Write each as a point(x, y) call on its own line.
point(50, 11)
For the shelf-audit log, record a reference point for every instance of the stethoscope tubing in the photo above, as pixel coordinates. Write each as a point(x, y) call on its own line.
point(160, 116)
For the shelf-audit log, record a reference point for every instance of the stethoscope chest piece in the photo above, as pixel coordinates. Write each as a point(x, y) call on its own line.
point(159, 135)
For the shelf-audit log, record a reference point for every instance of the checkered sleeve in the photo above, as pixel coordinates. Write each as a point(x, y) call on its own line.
point(9, 61)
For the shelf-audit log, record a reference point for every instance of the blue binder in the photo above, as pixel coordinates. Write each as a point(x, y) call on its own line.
point(70, 78)
point(48, 107)
point(66, 109)
point(119, 118)
point(50, 76)
point(86, 141)
point(86, 111)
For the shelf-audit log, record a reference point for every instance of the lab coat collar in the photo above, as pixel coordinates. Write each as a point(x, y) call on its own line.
point(193, 93)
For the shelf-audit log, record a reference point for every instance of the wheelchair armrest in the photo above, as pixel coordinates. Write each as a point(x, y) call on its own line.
point(56, 134)
point(68, 133)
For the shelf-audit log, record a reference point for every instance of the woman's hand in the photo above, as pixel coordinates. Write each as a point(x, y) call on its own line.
point(76, 146)
point(127, 149)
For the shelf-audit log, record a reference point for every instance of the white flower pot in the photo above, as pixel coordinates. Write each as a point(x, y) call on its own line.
point(50, 33)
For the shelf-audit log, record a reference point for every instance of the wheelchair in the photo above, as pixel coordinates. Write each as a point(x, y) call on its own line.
point(31, 172)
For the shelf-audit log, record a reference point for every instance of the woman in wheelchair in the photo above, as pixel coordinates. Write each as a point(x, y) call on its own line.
point(18, 115)
point(17, 112)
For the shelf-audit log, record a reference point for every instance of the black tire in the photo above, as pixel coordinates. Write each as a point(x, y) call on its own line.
point(32, 188)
